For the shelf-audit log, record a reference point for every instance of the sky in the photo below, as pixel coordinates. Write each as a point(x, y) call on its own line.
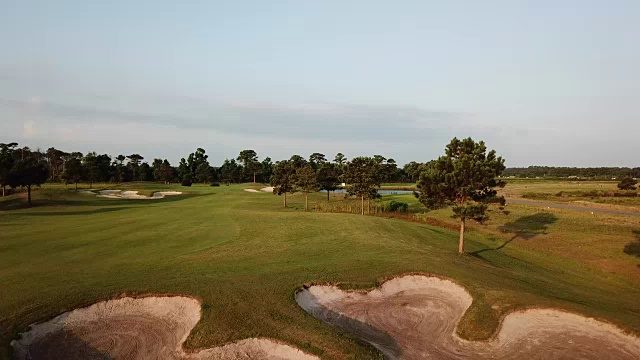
point(542, 82)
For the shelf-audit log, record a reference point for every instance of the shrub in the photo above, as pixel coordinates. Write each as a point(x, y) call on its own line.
point(628, 183)
point(215, 184)
point(397, 206)
point(186, 180)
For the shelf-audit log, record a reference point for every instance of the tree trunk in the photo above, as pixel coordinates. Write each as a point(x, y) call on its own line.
point(3, 186)
point(254, 177)
point(285, 199)
point(306, 201)
point(76, 186)
point(368, 206)
point(362, 198)
point(461, 243)
point(29, 194)
point(327, 195)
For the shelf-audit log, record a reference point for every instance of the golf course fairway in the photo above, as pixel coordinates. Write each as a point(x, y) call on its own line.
point(243, 258)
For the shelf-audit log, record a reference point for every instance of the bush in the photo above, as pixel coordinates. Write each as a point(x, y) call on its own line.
point(397, 206)
point(186, 180)
point(215, 184)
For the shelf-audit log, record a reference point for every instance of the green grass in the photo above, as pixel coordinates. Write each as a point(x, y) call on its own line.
point(244, 256)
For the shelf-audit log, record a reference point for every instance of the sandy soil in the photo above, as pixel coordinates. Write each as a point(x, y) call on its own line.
point(415, 317)
point(144, 328)
point(119, 194)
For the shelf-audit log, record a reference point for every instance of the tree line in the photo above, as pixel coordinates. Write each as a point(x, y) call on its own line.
point(596, 173)
point(363, 174)
point(24, 167)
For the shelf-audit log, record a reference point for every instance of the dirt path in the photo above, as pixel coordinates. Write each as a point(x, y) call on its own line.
point(415, 317)
point(572, 207)
point(144, 328)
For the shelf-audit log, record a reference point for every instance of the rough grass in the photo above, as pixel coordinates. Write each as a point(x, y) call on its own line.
point(244, 256)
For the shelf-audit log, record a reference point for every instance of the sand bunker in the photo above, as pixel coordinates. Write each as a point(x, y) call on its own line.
point(415, 317)
point(119, 194)
point(251, 190)
point(144, 328)
point(268, 189)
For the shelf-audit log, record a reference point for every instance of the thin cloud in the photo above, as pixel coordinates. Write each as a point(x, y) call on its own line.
point(323, 121)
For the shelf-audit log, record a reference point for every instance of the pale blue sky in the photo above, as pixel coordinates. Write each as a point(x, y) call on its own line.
point(542, 82)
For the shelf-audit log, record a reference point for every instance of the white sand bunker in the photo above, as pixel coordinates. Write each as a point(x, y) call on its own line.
point(145, 328)
point(415, 317)
point(252, 190)
point(119, 194)
point(268, 189)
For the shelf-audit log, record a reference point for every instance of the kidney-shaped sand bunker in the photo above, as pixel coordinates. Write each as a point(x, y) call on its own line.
point(415, 317)
point(136, 328)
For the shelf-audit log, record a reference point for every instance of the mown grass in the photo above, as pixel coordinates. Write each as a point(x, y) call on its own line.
point(244, 256)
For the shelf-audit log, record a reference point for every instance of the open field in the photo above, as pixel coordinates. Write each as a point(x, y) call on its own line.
point(243, 257)
point(591, 193)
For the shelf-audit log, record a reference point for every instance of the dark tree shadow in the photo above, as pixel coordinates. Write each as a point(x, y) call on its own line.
point(633, 248)
point(378, 338)
point(71, 213)
point(526, 227)
point(20, 203)
point(65, 345)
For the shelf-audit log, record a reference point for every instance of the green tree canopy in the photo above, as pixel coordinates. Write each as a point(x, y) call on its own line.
point(465, 177)
point(283, 178)
point(73, 171)
point(7, 161)
point(230, 171)
point(328, 177)
point(266, 169)
point(316, 160)
point(251, 166)
point(28, 172)
point(90, 164)
point(163, 171)
point(340, 159)
point(363, 178)
point(307, 181)
point(204, 173)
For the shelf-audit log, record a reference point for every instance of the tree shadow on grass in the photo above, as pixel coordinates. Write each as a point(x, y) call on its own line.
point(18, 203)
point(72, 213)
point(526, 227)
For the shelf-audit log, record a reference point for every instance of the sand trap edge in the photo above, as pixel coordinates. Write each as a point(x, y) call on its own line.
point(272, 347)
point(495, 334)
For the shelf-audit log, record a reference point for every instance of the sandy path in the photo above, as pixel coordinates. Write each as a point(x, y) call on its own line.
point(144, 328)
point(415, 317)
